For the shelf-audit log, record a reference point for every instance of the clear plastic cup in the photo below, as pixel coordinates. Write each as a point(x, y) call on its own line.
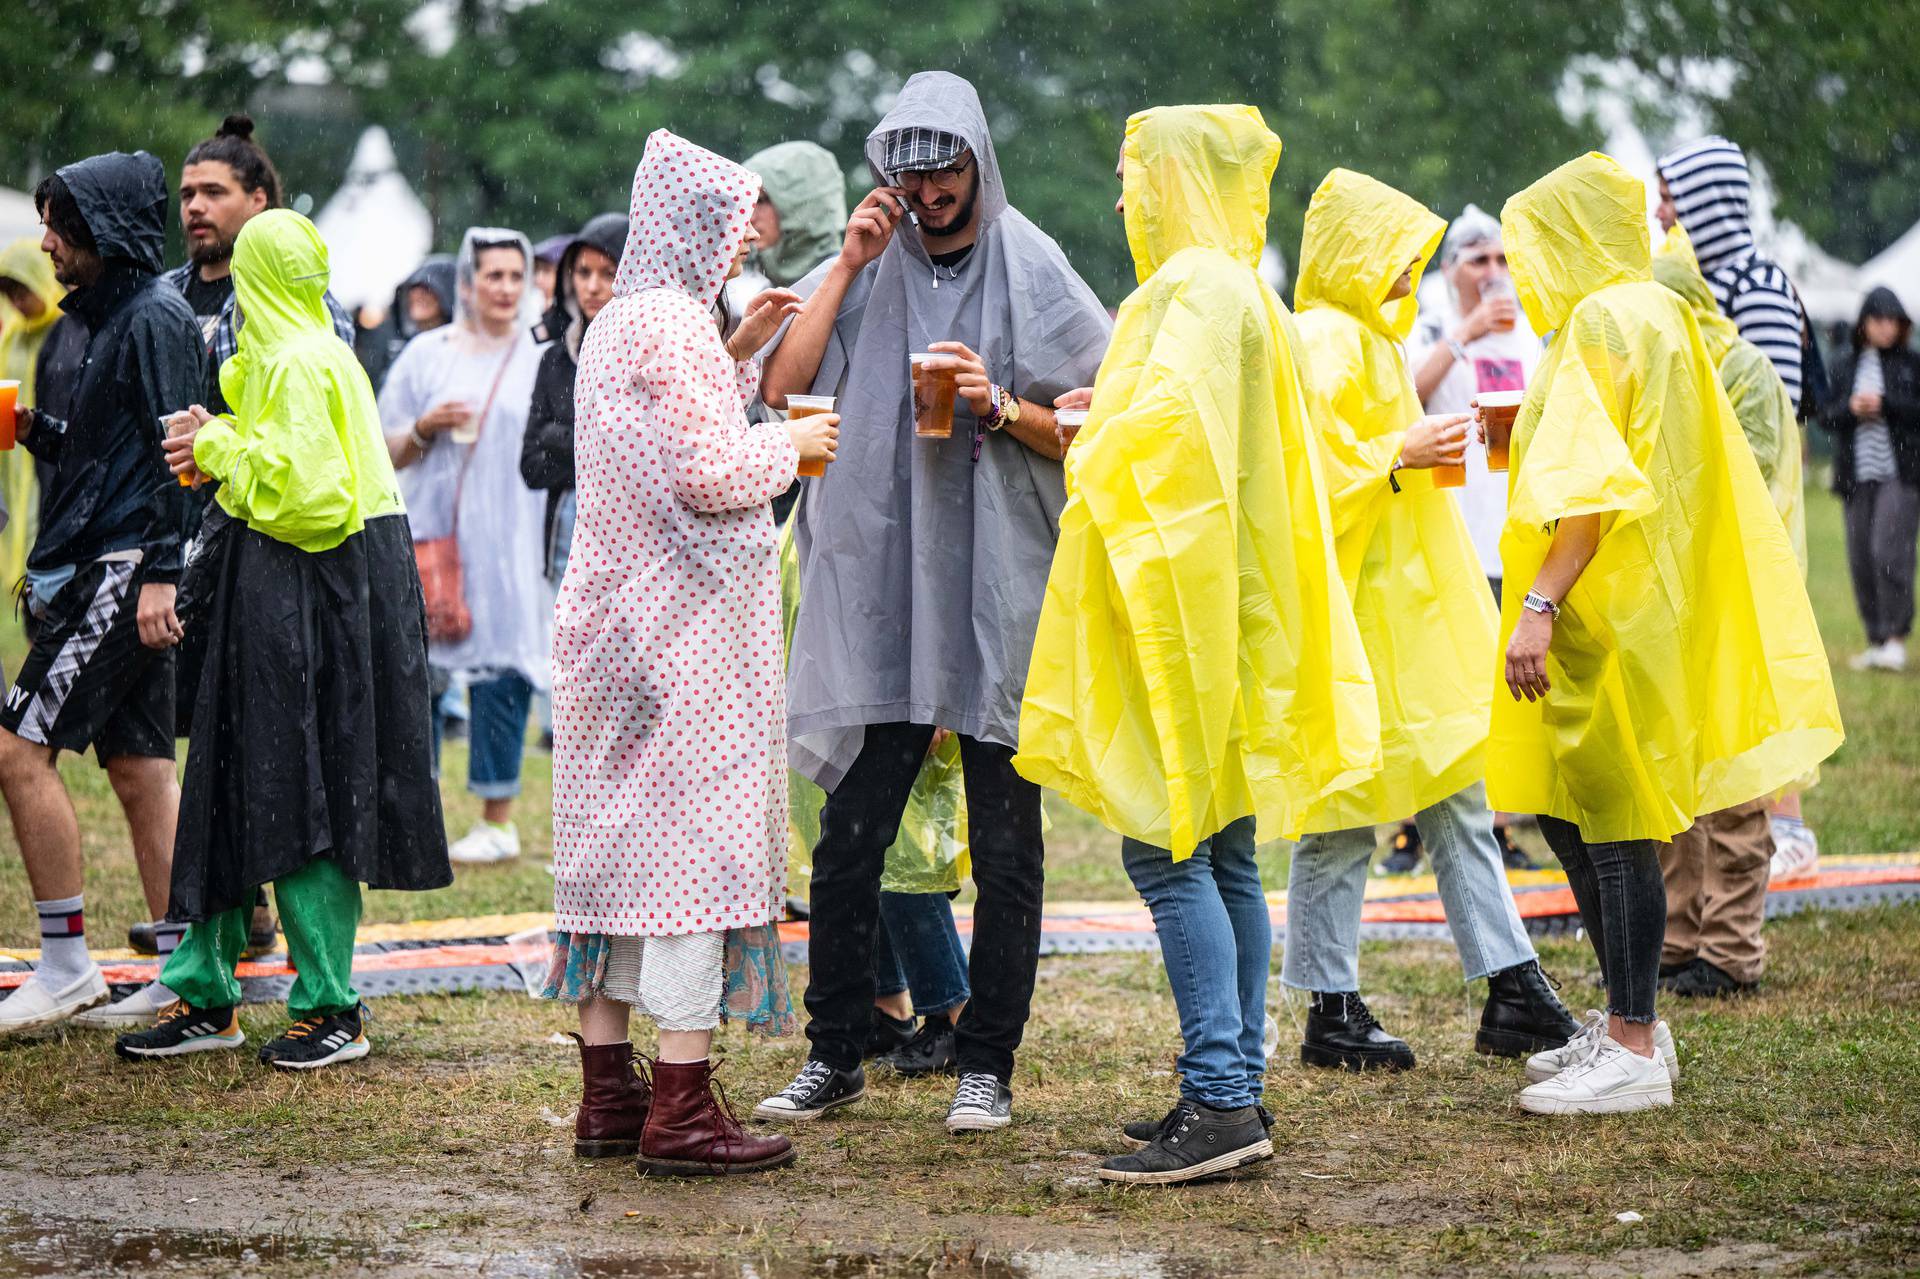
point(9, 396)
point(1497, 412)
point(807, 406)
point(1067, 423)
point(1500, 286)
point(933, 392)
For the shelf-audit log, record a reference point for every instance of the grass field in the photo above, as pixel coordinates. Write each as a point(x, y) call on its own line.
point(1793, 1147)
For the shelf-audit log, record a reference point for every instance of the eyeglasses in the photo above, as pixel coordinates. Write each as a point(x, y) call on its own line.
point(941, 179)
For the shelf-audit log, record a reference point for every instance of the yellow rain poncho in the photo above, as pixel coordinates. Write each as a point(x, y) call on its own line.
point(929, 855)
point(1759, 397)
point(1688, 675)
point(21, 338)
point(1197, 659)
point(301, 458)
point(1419, 596)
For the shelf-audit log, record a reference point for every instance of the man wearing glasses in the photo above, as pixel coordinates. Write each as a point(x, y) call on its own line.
point(923, 563)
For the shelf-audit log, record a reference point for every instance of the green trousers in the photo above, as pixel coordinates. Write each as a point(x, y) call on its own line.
point(320, 915)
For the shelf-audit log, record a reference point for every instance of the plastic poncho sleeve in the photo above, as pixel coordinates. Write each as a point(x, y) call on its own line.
point(1356, 469)
point(1196, 659)
point(1578, 459)
point(716, 461)
point(286, 476)
point(1759, 401)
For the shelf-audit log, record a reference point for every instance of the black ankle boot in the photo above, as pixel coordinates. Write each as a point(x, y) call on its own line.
point(1342, 1032)
point(1523, 1016)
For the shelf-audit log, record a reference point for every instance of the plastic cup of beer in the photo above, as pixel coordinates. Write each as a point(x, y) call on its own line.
point(468, 431)
point(1068, 423)
point(933, 392)
point(1497, 412)
point(807, 406)
point(9, 396)
point(178, 423)
point(1501, 286)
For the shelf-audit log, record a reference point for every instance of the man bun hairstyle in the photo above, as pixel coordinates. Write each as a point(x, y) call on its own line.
point(232, 144)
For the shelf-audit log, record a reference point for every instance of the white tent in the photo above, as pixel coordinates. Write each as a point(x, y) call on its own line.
point(376, 229)
point(18, 217)
point(1897, 267)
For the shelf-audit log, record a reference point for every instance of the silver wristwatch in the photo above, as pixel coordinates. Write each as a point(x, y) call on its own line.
point(1539, 603)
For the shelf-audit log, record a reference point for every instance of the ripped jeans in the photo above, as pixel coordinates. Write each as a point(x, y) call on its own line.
point(1623, 907)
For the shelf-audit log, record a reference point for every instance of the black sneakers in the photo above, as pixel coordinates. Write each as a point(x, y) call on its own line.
point(1405, 857)
point(313, 1042)
point(183, 1029)
point(1704, 980)
point(1342, 1033)
point(931, 1051)
point(1194, 1141)
point(817, 1089)
point(1523, 1016)
point(1141, 1132)
point(980, 1104)
point(887, 1033)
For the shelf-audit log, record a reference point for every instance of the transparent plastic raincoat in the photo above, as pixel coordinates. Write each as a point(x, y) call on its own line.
point(1197, 659)
point(1687, 672)
point(1419, 596)
point(1759, 397)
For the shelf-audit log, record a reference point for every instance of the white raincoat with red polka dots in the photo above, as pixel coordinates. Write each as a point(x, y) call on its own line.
point(669, 760)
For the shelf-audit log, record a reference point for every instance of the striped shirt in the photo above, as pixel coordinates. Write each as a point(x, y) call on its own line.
point(1712, 192)
point(1872, 444)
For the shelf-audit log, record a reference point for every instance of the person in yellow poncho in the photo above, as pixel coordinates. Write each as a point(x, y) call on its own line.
point(1428, 625)
point(1717, 871)
point(32, 308)
point(310, 764)
point(1660, 655)
point(1196, 666)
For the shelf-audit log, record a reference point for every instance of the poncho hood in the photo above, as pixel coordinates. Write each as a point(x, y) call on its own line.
point(1576, 231)
point(1675, 266)
point(809, 191)
point(1197, 176)
point(1360, 234)
point(22, 260)
point(1712, 195)
point(606, 232)
point(690, 213)
point(123, 199)
point(436, 275)
point(280, 273)
point(941, 100)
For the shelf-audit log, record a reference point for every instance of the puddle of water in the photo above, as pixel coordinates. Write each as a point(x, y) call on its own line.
point(69, 1250)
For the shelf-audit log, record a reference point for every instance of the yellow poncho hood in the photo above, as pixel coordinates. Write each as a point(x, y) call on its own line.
point(1196, 659)
point(1418, 592)
point(1687, 672)
point(1760, 399)
point(21, 335)
point(301, 458)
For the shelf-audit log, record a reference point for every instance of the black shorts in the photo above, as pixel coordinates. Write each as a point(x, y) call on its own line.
point(88, 680)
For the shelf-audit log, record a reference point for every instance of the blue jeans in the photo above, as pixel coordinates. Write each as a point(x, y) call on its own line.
point(498, 735)
point(1217, 941)
point(1329, 883)
point(918, 950)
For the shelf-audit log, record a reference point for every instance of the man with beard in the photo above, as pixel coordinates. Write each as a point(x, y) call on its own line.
point(923, 563)
point(101, 578)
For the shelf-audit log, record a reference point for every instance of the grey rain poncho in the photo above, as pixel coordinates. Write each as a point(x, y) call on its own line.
point(922, 570)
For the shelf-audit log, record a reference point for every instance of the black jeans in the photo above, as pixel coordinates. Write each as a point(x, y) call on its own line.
point(1623, 906)
point(859, 823)
point(1883, 521)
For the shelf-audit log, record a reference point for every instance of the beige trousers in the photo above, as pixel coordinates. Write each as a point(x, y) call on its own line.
point(1716, 875)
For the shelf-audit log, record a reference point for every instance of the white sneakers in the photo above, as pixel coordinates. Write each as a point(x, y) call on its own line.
point(35, 1005)
point(1611, 1079)
point(486, 844)
point(136, 1012)
point(1890, 656)
point(1796, 853)
point(1544, 1066)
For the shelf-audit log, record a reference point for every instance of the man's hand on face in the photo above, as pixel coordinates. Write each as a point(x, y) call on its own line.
point(970, 375)
point(871, 227)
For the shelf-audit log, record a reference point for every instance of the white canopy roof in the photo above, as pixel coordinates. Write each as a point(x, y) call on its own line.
point(376, 229)
point(1897, 267)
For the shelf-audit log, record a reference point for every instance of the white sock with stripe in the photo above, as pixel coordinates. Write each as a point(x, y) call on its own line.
point(63, 940)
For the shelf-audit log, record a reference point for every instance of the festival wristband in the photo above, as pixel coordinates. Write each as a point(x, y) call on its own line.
point(1538, 603)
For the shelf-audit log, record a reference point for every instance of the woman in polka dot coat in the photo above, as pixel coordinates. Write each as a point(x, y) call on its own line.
point(669, 702)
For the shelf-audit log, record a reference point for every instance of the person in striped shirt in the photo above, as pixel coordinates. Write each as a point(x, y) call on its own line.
point(1705, 186)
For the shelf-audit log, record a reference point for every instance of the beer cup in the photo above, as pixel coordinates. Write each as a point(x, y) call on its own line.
point(9, 396)
point(1068, 423)
point(807, 406)
point(933, 392)
point(1497, 411)
point(1501, 286)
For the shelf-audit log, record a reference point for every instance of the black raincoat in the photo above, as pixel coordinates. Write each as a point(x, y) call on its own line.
point(546, 450)
point(108, 488)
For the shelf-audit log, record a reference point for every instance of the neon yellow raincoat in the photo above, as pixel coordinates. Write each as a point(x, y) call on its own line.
point(929, 855)
point(301, 458)
point(1421, 600)
point(1197, 659)
point(1759, 397)
point(1687, 672)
